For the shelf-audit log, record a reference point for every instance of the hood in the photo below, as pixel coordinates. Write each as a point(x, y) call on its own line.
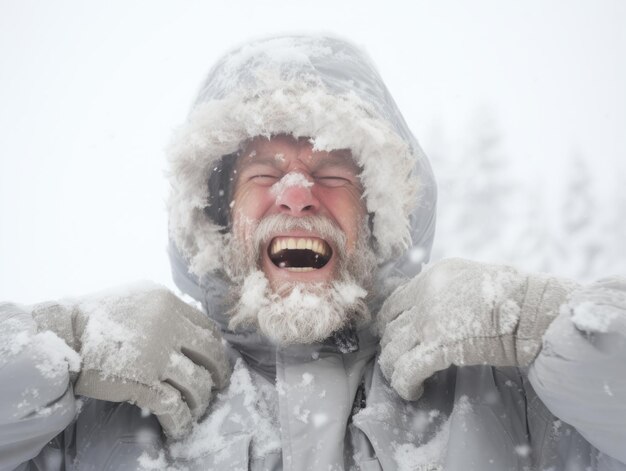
point(317, 87)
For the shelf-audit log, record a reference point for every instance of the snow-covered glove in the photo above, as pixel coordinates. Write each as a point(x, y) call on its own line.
point(145, 346)
point(460, 312)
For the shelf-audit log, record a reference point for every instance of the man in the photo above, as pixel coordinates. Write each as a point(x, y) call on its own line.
point(301, 210)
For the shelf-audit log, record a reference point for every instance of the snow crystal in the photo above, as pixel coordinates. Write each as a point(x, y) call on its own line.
point(496, 289)
point(17, 343)
point(307, 379)
point(146, 435)
point(53, 356)
point(158, 463)
point(280, 387)
point(32, 392)
point(279, 157)
point(107, 342)
point(523, 450)
point(253, 292)
point(208, 436)
point(592, 317)
point(495, 292)
point(491, 397)
point(350, 292)
point(607, 389)
point(180, 362)
point(58, 355)
point(291, 179)
point(319, 419)
point(49, 410)
point(426, 457)
point(423, 419)
point(417, 255)
point(301, 414)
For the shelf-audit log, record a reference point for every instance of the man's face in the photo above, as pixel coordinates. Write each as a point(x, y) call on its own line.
point(285, 176)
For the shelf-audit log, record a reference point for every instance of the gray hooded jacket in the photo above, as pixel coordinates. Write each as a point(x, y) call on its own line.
point(324, 406)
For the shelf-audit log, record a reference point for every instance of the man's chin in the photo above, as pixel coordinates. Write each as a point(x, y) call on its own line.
point(299, 312)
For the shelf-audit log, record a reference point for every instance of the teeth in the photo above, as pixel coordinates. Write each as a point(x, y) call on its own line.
point(300, 269)
point(301, 243)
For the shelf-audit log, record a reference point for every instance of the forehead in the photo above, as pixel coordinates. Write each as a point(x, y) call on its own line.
point(281, 150)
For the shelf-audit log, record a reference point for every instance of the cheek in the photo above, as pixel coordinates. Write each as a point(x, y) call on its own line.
point(348, 209)
point(249, 205)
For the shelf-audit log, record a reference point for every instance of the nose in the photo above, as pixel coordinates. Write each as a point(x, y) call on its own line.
point(297, 200)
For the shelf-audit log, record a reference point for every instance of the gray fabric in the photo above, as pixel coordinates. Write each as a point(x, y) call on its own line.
point(468, 418)
point(35, 403)
point(580, 373)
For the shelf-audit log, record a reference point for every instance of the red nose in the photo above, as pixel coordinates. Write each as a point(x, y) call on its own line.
point(297, 201)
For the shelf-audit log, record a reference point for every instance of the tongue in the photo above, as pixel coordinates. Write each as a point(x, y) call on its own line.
point(298, 258)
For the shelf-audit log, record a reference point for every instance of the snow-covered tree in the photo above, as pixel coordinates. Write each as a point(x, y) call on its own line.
point(581, 239)
point(474, 193)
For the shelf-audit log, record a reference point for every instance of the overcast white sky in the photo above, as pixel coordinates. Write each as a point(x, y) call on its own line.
point(89, 93)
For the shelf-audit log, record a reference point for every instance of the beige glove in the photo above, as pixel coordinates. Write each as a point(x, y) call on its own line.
point(460, 312)
point(144, 346)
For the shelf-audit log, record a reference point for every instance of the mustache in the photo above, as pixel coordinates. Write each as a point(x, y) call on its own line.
point(321, 226)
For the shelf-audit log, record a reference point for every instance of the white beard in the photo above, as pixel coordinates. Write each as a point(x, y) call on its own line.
point(302, 313)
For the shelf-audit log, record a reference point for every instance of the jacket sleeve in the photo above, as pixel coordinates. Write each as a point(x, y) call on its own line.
point(36, 398)
point(580, 373)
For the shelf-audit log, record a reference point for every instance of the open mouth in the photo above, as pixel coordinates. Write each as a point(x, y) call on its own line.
point(299, 253)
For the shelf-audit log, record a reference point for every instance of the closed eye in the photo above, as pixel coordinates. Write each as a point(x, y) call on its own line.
point(333, 181)
point(264, 180)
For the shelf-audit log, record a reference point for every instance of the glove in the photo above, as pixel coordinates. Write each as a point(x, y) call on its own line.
point(144, 346)
point(460, 312)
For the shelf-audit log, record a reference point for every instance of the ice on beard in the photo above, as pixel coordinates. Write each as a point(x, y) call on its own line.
point(309, 313)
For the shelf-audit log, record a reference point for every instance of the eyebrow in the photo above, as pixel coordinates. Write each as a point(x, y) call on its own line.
point(343, 160)
point(346, 163)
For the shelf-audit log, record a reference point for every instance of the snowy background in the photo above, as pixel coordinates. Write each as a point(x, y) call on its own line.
point(520, 105)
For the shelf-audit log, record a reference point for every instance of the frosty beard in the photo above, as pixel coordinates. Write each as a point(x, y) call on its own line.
point(300, 313)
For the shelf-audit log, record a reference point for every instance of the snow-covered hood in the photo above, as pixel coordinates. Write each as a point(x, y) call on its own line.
point(318, 87)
